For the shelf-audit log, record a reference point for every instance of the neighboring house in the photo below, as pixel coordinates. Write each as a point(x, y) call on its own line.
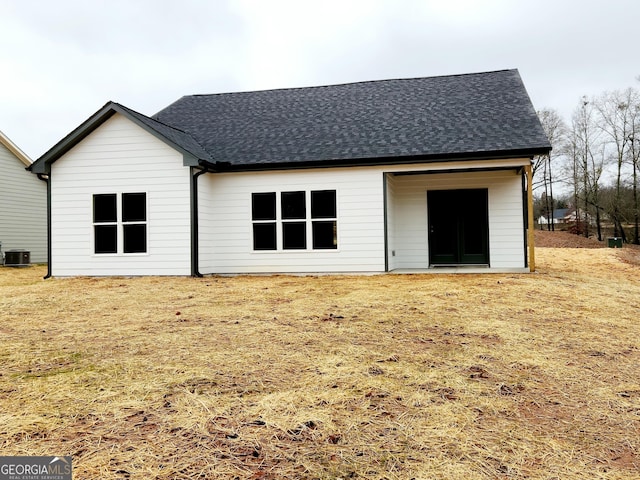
point(363, 177)
point(23, 204)
point(575, 216)
point(560, 216)
point(564, 216)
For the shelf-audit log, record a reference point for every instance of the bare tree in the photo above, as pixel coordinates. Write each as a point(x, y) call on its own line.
point(571, 147)
point(615, 119)
point(555, 129)
point(634, 138)
point(597, 161)
point(604, 135)
point(588, 165)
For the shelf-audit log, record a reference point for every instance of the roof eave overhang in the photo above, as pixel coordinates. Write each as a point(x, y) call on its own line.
point(13, 148)
point(43, 164)
point(385, 161)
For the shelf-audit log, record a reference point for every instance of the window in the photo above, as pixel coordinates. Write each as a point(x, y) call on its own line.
point(132, 223)
point(325, 231)
point(294, 233)
point(263, 208)
point(287, 220)
point(105, 224)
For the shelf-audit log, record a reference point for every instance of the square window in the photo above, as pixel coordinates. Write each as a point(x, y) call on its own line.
point(264, 236)
point(104, 208)
point(294, 235)
point(134, 207)
point(135, 238)
point(325, 235)
point(105, 238)
point(293, 206)
point(323, 204)
point(263, 206)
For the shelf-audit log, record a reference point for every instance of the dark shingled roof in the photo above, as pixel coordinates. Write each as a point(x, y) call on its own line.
point(174, 135)
point(388, 121)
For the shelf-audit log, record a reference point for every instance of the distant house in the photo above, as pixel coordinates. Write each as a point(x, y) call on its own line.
point(565, 216)
point(374, 176)
point(23, 204)
point(560, 216)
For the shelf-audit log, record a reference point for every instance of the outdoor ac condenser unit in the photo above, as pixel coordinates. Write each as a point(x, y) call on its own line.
point(17, 258)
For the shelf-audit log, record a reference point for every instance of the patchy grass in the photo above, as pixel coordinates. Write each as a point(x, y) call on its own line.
point(397, 377)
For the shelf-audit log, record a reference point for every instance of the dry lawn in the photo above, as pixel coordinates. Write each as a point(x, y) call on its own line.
point(371, 377)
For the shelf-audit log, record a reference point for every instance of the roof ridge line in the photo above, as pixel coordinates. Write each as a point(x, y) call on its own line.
point(360, 82)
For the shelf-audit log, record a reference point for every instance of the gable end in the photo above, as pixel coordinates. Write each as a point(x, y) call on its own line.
point(192, 153)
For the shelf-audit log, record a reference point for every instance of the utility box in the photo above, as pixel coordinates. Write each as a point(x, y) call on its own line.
point(17, 258)
point(614, 242)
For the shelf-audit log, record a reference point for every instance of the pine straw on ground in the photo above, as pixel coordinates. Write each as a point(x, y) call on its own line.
point(391, 376)
point(560, 239)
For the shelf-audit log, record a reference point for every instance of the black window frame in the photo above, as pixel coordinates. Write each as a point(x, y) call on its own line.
point(125, 233)
point(134, 226)
point(104, 208)
point(324, 219)
point(293, 216)
point(294, 220)
point(264, 224)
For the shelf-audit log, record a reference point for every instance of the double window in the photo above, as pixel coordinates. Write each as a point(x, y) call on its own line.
point(120, 223)
point(296, 220)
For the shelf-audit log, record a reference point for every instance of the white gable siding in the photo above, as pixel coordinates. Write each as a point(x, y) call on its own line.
point(23, 208)
point(506, 221)
point(120, 157)
point(226, 232)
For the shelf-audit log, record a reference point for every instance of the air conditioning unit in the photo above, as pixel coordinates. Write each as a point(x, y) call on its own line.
point(17, 258)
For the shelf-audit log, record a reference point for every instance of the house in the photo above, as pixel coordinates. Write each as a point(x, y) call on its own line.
point(579, 216)
point(560, 216)
point(23, 204)
point(375, 176)
point(565, 216)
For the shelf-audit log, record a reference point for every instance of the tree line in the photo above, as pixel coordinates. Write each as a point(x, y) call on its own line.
point(594, 164)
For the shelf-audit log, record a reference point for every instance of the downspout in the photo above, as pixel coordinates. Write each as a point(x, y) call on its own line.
point(45, 178)
point(195, 271)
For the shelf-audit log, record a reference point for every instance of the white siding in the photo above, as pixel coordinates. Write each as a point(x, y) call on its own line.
point(226, 227)
point(506, 221)
point(120, 157)
point(391, 220)
point(23, 208)
point(229, 248)
point(207, 213)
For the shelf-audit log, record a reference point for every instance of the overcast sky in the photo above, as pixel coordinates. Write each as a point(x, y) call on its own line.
point(62, 60)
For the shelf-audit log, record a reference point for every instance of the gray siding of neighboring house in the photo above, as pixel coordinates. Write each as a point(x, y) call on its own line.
point(23, 208)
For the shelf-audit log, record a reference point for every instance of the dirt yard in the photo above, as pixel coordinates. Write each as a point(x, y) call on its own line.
point(518, 376)
point(565, 240)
